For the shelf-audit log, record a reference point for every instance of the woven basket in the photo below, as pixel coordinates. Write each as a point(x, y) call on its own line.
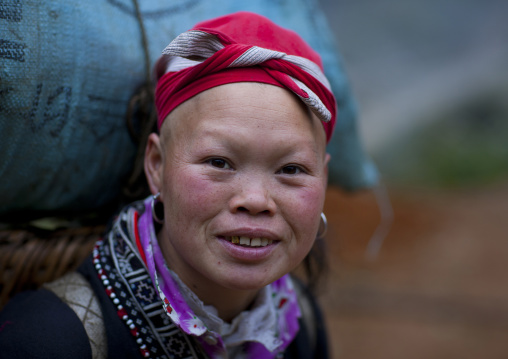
point(29, 258)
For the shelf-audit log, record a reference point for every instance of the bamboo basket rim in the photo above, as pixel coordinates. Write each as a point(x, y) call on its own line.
point(30, 257)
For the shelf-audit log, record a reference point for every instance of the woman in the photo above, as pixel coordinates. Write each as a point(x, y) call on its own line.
point(238, 173)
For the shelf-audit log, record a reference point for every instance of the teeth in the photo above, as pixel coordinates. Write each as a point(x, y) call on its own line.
point(255, 242)
point(250, 242)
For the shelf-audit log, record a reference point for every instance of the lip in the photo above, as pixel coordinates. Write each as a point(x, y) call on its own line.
point(248, 254)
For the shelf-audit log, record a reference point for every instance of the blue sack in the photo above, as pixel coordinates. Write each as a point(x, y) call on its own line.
point(68, 70)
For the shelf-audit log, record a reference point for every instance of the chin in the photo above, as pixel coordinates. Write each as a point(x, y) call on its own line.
point(244, 280)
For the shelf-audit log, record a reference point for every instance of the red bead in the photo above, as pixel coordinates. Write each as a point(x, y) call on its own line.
point(134, 332)
point(122, 313)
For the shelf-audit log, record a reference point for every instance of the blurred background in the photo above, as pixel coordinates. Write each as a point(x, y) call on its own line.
point(431, 80)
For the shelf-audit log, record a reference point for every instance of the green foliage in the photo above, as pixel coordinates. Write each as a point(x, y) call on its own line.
point(462, 148)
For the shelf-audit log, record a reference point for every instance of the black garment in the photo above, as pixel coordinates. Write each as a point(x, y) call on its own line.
point(302, 347)
point(38, 324)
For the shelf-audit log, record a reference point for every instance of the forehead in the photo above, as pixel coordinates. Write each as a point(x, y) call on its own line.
point(266, 108)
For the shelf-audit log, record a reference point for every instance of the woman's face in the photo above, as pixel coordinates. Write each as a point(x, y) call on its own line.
point(242, 172)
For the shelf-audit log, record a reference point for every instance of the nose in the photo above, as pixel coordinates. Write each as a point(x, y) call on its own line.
point(253, 196)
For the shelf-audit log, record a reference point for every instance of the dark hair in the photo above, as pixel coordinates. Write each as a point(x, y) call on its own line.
point(141, 121)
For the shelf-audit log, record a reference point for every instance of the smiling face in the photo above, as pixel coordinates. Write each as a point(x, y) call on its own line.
point(242, 170)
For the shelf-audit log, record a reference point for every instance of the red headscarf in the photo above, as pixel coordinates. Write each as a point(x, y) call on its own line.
point(243, 47)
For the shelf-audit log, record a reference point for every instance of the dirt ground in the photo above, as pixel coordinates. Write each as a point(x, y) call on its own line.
point(438, 288)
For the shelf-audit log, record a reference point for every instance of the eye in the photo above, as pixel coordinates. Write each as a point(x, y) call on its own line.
point(219, 163)
point(291, 170)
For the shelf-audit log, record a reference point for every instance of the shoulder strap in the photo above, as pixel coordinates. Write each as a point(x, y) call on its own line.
point(74, 290)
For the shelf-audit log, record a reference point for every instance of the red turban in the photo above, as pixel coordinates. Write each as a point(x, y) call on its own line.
point(243, 47)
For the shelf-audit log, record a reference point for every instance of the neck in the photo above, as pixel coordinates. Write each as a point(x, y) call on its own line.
point(228, 302)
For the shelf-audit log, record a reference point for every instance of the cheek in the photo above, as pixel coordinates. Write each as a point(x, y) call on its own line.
point(191, 193)
point(303, 213)
point(307, 204)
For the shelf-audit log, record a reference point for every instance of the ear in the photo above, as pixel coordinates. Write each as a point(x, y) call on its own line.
point(328, 157)
point(326, 162)
point(154, 163)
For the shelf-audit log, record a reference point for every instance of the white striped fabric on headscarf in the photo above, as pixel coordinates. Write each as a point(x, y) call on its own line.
point(194, 47)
